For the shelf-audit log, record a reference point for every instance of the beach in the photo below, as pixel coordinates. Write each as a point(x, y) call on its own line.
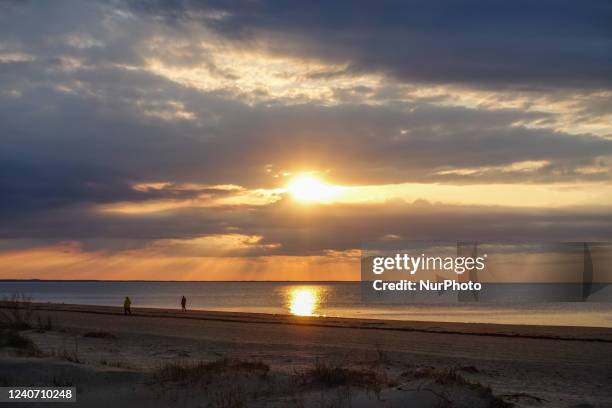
point(165, 357)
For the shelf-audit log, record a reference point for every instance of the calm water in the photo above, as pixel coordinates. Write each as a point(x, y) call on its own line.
point(323, 299)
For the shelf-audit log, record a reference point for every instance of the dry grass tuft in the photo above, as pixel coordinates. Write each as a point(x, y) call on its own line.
point(12, 339)
point(16, 312)
point(100, 335)
point(200, 371)
point(335, 376)
point(44, 325)
point(117, 364)
point(452, 378)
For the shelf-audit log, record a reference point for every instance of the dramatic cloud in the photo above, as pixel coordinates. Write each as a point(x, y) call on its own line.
point(545, 43)
point(170, 129)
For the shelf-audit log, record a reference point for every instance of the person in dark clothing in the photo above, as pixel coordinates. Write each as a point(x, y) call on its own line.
point(184, 303)
point(127, 303)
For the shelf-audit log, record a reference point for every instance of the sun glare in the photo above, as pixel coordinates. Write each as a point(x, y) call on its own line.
point(308, 188)
point(303, 302)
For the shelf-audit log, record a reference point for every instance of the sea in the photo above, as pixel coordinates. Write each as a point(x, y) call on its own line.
point(331, 299)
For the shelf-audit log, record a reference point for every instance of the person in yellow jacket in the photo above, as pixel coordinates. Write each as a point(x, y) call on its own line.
point(126, 306)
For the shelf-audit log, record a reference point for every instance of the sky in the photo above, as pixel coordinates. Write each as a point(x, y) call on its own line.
point(260, 140)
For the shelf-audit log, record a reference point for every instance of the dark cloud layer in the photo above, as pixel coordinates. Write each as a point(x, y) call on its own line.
point(485, 43)
point(314, 230)
point(361, 143)
point(83, 118)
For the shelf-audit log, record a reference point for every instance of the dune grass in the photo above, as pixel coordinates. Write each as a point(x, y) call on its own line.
point(16, 312)
point(452, 377)
point(330, 376)
point(13, 339)
point(100, 335)
point(203, 371)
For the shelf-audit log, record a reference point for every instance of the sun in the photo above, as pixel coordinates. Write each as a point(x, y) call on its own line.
point(309, 188)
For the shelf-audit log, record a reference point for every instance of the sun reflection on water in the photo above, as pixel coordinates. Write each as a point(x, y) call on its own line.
point(304, 301)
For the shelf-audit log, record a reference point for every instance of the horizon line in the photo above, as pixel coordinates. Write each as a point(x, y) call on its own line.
point(172, 280)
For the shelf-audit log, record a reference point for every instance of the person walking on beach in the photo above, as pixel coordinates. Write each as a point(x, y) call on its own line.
point(184, 303)
point(126, 306)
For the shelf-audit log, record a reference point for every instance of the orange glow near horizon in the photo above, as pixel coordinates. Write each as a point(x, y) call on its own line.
point(68, 261)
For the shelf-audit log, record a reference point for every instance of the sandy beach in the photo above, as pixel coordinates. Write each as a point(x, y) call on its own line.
point(161, 357)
